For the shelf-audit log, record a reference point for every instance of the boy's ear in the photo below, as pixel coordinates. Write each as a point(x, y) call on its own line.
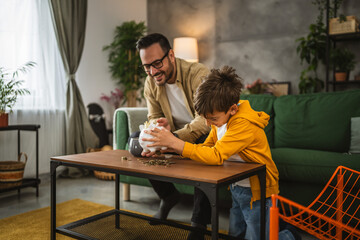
point(233, 109)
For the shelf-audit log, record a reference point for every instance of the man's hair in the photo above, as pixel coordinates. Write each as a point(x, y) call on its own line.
point(150, 39)
point(220, 89)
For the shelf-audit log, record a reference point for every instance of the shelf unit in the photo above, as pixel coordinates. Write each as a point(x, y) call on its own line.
point(333, 39)
point(26, 182)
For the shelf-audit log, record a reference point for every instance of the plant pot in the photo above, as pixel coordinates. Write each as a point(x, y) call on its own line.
point(4, 119)
point(341, 76)
point(131, 98)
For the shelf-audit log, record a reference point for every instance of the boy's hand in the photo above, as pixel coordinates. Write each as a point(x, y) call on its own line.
point(163, 122)
point(164, 138)
point(151, 154)
point(148, 154)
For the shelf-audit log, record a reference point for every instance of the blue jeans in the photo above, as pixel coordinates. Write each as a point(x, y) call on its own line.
point(244, 221)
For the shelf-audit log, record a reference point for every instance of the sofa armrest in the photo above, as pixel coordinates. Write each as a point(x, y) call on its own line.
point(127, 121)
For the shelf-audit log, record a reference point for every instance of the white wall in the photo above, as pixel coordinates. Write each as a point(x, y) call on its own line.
point(93, 76)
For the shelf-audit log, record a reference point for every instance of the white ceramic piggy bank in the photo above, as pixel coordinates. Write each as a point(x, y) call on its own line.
point(142, 135)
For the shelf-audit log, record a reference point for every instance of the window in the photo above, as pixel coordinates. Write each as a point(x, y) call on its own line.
point(27, 34)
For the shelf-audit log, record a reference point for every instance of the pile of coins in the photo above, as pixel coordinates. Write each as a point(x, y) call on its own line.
point(159, 162)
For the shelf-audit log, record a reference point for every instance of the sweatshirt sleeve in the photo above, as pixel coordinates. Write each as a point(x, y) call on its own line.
point(238, 136)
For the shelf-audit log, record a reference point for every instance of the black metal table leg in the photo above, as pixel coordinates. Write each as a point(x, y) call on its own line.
point(18, 149)
point(53, 166)
point(18, 138)
point(37, 161)
point(117, 200)
point(262, 179)
point(211, 191)
point(214, 214)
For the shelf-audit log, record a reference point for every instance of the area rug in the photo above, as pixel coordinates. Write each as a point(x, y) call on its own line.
point(36, 224)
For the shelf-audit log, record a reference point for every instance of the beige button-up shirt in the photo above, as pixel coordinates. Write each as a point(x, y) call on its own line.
point(188, 78)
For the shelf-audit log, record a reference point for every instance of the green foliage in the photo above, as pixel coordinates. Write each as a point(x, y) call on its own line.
point(342, 59)
point(342, 18)
point(312, 48)
point(10, 87)
point(256, 87)
point(310, 83)
point(124, 58)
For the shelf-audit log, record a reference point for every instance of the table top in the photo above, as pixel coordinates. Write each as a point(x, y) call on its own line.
point(181, 168)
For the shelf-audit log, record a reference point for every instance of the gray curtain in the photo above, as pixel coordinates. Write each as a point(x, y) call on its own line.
point(69, 18)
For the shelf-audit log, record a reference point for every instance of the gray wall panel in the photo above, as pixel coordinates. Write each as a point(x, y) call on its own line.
point(256, 37)
point(244, 19)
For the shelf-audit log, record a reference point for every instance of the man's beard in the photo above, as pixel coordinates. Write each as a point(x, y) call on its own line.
point(167, 76)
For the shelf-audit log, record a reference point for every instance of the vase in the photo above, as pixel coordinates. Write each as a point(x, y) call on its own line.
point(4, 119)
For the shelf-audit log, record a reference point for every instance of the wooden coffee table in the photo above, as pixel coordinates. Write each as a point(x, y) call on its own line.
point(183, 171)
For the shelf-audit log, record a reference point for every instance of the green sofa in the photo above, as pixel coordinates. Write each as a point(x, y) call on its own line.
point(309, 136)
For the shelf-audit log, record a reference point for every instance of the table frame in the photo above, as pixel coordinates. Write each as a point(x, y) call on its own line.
point(210, 190)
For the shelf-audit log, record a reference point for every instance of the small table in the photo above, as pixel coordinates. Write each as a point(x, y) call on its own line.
point(184, 171)
point(26, 182)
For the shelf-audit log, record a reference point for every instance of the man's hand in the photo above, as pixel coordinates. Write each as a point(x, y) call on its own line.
point(164, 138)
point(163, 122)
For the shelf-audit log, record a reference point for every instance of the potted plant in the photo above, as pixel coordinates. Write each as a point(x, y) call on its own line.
point(343, 62)
point(125, 63)
point(10, 90)
point(257, 87)
point(312, 49)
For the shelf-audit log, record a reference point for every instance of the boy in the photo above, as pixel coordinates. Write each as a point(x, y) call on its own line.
point(237, 134)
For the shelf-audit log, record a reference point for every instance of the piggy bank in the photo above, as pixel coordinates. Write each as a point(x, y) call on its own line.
point(142, 135)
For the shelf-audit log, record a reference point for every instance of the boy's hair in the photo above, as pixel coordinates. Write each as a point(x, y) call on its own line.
point(150, 39)
point(218, 92)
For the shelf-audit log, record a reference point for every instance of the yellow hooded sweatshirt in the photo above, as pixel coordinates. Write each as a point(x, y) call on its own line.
point(245, 136)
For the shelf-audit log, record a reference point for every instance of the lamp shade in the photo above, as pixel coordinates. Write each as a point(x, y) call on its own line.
point(186, 48)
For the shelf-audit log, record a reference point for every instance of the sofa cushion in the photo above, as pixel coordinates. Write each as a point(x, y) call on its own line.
point(127, 121)
point(355, 135)
point(311, 166)
point(261, 102)
point(121, 133)
point(319, 121)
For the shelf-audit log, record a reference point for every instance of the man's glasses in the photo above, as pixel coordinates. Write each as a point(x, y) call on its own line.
point(155, 64)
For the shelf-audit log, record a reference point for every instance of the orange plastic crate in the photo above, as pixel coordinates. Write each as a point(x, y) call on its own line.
point(334, 214)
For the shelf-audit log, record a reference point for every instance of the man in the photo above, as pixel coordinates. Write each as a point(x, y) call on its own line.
point(169, 91)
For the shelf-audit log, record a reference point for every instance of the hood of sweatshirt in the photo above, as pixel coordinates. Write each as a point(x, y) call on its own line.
point(260, 119)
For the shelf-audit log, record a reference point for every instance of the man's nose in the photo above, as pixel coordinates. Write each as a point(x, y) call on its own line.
point(153, 71)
